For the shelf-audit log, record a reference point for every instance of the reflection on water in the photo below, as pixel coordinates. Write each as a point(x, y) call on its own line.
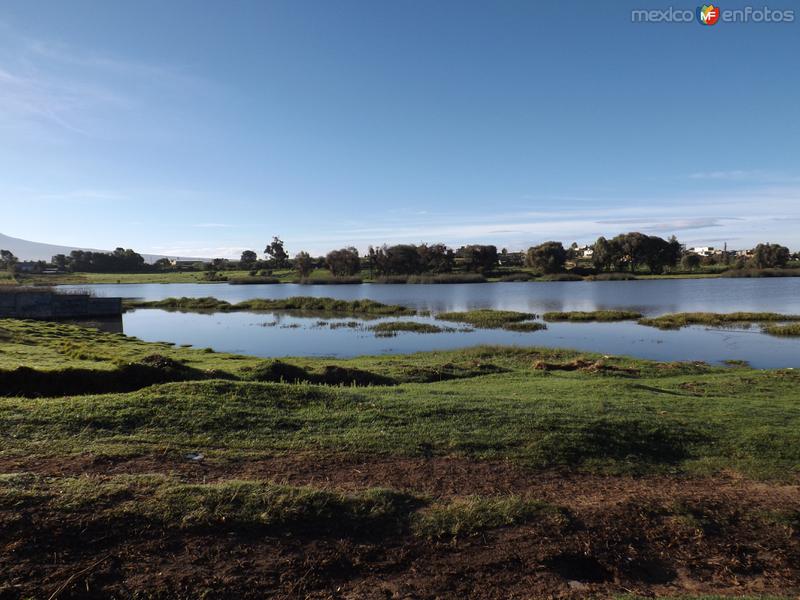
point(291, 335)
point(651, 297)
point(276, 334)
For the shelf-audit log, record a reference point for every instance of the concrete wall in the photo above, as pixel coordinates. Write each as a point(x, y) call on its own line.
point(47, 305)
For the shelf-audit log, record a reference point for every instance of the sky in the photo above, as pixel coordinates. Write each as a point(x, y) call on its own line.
point(202, 129)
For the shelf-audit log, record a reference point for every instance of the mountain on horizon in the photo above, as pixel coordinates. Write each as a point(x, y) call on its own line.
point(27, 250)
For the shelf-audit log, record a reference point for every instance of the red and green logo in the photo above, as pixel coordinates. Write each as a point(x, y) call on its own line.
point(708, 14)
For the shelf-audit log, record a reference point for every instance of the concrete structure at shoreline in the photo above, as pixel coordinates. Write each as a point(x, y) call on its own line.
point(49, 305)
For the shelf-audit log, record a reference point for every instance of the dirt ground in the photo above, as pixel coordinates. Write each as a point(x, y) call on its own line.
point(648, 536)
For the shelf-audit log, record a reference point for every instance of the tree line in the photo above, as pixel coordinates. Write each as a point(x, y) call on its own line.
point(120, 260)
point(625, 252)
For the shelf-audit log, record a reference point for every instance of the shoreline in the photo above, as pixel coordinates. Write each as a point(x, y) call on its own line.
point(236, 279)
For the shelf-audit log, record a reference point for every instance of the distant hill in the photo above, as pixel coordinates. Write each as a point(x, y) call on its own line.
point(25, 250)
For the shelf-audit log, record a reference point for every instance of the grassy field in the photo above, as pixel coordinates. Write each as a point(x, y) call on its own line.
point(543, 407)
point(346, 474)
point(525, 414)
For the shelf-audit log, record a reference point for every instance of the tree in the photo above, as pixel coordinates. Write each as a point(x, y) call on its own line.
point(248, 259)
point(690, 261)
point(59, 262)
point(343, 262)
point(478, 258)
point(606, 254)
point(120, 260)
point(547, 258)
point(659, 253)
point(436, 258)
point(402, 259)
point(303, 264)
point(633, 249)
point(277, 254)
point(766, 256)
point(8, 261)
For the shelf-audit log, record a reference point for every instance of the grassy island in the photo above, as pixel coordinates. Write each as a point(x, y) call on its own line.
point(296, 303)
point(596, 315)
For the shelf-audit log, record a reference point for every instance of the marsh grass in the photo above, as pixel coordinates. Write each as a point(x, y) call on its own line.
point(517, 277)
point(612, 277)
point(486, 318)
point(561, 277)
point(328, 280)
point(786, 272)
point(525, 327)
point(678, 320)
point(432, 278)
point(789, 330)
point(296, 303)
point(253, 280)
point(408, 326)
point(597, 315)
point(448, 278)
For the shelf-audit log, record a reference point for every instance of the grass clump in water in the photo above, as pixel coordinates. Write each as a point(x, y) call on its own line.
point(329, 280)
point(412, 326)
point(678, 320)
point(561, 277)
point(486, 318)
point(612, 277)
point(790, 330)
point(762, 272)
point(525, 327)
point(296, 303)
point(595, 315)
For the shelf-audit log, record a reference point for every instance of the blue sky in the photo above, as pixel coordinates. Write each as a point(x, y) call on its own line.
point(202, 129)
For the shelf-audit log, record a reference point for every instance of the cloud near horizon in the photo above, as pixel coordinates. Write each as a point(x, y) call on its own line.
point(742, 219)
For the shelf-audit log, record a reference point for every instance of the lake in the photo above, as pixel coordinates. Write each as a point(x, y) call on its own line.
point(275, 334)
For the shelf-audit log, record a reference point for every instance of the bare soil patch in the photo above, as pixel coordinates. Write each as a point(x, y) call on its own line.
point(649, 535)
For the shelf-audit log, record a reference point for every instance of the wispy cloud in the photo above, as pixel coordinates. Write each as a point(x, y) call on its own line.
point(741, 175)
point(737, 175)
point(84, 194)
point(742, 218)
point(60, 89)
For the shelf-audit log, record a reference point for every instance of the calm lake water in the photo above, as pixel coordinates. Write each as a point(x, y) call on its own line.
point(275, 334)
